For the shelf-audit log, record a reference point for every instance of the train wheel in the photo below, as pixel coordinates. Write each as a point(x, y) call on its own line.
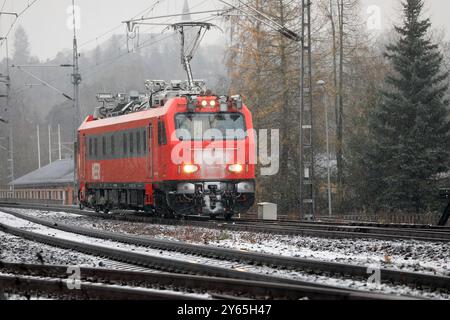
point(228, 216)
point(167, 214)
point(149, 212)
point(106, 211)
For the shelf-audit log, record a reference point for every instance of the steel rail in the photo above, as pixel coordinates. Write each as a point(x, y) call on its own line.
point(312, 230)
point(216, 287)
point(321, 221)
point(296, 223)
point(31, 286)
point(331, 222)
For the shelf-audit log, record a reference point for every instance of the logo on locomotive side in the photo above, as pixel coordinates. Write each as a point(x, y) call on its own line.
point(96, 171)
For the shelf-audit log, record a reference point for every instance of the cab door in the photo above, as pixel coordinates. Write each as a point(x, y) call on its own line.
point(150, 147)
point(81, 156)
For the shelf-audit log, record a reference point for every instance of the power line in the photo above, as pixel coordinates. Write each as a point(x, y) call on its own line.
point(145, 44)
point(16, 19)
point(141, 46)
point(145, 11)
point(3, 6)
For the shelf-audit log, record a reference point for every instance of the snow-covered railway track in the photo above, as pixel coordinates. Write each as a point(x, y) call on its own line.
point(185, 285)
point(30, 286)
point(326, 221)
point(331, 269)
point(307, 289)
point(316, 229)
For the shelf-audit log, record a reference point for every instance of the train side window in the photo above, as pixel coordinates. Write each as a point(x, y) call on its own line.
point(144, 141)
point(150, 137)
point(113, 146)
point(125, 147)
point(162, 139)
point(90, 147)
point(159, 133)
point(138, 142)
point(104, 146)
point(131, 142)
point(95, 147)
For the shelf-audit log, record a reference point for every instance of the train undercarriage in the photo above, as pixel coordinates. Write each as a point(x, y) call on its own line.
point(173, 199)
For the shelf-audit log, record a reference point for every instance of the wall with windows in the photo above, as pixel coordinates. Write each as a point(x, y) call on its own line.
point(56, 196)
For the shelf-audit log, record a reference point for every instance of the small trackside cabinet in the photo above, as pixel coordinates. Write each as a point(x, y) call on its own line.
point(267, 211)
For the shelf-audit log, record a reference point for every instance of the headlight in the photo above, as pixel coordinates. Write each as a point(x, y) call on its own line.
point(204, 103)
point(236, 168)
point(190, 168)
point(212, 103)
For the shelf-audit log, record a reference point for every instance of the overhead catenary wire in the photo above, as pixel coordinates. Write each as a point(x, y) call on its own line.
point(16, 19)
point(266, 20)
point(145, 43)
point(3, 5)
point(143, 12)
point(87, 73)
point(92, 70)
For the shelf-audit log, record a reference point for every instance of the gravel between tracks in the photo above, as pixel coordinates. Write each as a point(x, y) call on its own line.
point(18, 250)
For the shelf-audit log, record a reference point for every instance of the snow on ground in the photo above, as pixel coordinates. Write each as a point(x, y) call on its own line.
point(406, 255)
point(18, 297)
point(206, 236)
point(17, 250)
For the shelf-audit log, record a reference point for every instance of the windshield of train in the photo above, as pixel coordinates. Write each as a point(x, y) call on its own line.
point(210, 126)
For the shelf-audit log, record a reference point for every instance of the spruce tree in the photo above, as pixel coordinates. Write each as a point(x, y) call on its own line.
point(410, 127)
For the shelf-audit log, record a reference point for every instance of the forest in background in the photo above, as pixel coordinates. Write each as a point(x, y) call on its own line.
point(261, 65)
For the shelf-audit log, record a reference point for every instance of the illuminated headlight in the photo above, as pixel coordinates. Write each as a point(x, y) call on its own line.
point(212, 103)
point(236, 168)
point(190, 168)
point(204, 103)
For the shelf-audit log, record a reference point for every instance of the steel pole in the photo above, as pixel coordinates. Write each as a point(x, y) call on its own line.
point(321, 83)
point(39, 146)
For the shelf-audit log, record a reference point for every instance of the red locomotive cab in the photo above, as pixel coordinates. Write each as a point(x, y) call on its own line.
point(212, 158)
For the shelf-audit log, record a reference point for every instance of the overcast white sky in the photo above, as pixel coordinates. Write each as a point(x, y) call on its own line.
point(46, 21)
